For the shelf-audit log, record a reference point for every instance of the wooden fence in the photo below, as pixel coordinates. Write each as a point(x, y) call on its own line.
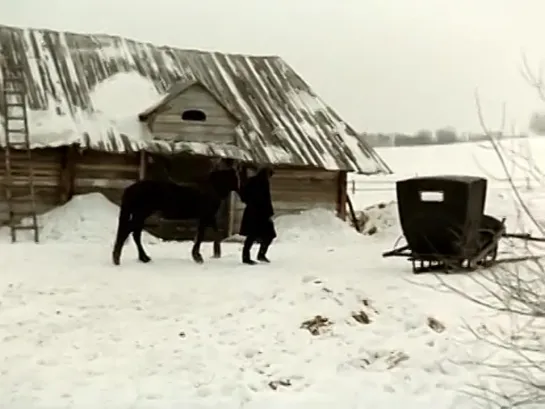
point(388, 184)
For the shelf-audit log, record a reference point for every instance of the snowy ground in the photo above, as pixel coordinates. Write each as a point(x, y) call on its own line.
point(77, 332)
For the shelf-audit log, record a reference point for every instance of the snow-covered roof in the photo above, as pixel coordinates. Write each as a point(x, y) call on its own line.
point(89, 89)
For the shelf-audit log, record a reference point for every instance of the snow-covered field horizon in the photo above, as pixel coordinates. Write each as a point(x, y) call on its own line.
point(521, 159)
point(78, 332)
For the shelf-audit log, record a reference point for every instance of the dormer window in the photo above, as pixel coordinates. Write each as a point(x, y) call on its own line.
point(193, 115)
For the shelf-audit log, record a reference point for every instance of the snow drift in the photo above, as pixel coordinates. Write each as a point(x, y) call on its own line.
point(88, 218)
point(314, 225)
point(92, 218)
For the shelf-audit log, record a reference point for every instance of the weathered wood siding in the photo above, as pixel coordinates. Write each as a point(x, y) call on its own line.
point(63, 172)
point(294, 190)
point(183, 169)
point(106, 173)
point(47, 175)
point(219, 125)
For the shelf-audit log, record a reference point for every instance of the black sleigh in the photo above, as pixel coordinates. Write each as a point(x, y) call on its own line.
point(444, 225)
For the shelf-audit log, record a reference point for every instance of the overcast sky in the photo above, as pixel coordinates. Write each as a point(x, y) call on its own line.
point(384, 65)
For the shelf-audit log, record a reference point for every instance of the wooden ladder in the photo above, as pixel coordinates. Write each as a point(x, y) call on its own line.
point(17, 138)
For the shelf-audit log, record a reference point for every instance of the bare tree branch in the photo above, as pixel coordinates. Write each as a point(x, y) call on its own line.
point(517, 291)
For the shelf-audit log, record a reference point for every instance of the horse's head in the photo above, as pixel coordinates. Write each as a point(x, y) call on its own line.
point(265, 172)
point(225, 177)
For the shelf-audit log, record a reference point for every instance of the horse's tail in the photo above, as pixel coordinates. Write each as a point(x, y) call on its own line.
point(123, 228)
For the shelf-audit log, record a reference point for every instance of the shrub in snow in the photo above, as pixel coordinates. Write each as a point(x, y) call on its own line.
point(377, 218)
point(361, 317)
point(317, 325)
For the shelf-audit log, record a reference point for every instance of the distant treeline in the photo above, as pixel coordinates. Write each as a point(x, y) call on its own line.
point(443, 136)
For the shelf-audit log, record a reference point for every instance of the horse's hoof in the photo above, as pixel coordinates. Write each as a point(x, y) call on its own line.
point(145, 259)
point(115, 259)
point(197, 258)
point(216, 256)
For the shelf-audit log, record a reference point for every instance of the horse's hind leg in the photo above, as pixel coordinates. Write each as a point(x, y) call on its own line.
point(119, 243)
point(123, 231)
point(196, 251)
point(138, 226)
point(217, 239)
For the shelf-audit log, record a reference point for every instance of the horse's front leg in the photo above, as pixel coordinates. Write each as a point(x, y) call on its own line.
point(196, 251)
point(217, 239)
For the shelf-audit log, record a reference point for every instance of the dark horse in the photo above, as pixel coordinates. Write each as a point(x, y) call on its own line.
point(175, 202)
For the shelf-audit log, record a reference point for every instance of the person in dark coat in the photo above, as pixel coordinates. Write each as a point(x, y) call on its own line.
point(257, 224)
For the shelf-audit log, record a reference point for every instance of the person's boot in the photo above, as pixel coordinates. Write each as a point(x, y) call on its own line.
point(246, 252)
point(262, 254)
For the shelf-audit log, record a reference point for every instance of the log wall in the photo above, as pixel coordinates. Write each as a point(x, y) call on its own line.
point(47, 174)
point(62, 172)
point(107, 173)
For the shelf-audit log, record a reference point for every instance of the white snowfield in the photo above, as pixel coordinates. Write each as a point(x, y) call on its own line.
point(78, 332)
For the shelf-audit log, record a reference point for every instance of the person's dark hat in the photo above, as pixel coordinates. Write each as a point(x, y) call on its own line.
point(266, 169)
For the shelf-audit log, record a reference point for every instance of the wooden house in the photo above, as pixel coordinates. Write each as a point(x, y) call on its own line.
point(212, 105)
